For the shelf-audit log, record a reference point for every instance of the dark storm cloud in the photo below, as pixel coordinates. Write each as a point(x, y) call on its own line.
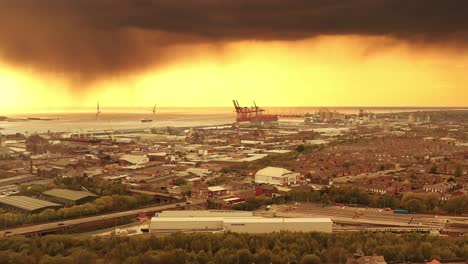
point(89, 39)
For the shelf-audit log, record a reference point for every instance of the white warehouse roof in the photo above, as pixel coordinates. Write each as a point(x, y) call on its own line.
point(241, 224)
point(228, 220)
point(274, 171)
point(276, 176)
point(204, 213)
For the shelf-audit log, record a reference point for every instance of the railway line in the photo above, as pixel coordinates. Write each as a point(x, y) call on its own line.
point(355, 218)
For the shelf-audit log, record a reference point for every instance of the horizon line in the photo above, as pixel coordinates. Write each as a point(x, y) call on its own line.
point(78, 110)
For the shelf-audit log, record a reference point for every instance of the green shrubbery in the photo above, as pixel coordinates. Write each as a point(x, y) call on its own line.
point(101, 205)
point(284, 247)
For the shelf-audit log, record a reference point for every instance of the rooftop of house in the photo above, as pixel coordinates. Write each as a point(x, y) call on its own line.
point(134, 159)
point(216, 189)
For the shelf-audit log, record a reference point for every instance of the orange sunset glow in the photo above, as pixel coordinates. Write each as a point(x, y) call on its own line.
point(326, 71)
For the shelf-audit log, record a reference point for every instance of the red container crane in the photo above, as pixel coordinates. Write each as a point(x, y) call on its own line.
point(252, 114)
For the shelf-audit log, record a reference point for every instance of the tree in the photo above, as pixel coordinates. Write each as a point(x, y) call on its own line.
point(433, 169)
point(263, 257)
point(32, 190)
point(457, 205)
point(186, 189)
point(325, 199)
point(56, 260)
point(458, 170)
point(426, 248)
point(179, 181)
point(244, 256)
point(386, 201)
point(310, 259)
point(250, 204)
point(82, 256)
point(300, 148)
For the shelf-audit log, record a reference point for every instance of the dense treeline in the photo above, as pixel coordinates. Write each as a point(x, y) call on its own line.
point(413, 202)
point(98, 186)
point(101, 205)
point(284, 247)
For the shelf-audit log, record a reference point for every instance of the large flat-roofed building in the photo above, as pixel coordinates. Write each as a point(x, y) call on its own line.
point(276, 176)
point(173, 224)
point(215, 191)
point(235, 222)
point(25, 204)
point(17, 179)
point(69, 197)
point(204, 213)
point(267, 225)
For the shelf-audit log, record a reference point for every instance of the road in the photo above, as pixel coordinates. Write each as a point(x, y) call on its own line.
point(61, 225)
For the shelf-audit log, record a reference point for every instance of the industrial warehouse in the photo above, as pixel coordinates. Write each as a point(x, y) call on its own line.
point(69, 197)
point(239, 222)
point(24, 204)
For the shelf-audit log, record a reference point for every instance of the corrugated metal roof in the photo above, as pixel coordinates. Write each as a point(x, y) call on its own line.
point(69, 194)
point(274, 172)
point(135, 159)
point(26, 203)
point(19, 178)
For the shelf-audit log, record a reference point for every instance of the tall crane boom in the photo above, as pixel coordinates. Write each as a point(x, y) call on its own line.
point(252, 114)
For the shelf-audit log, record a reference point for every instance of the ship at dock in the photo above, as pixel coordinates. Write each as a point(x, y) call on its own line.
point(40, 119)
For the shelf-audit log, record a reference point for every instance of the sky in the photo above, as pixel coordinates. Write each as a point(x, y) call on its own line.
point(137, 53)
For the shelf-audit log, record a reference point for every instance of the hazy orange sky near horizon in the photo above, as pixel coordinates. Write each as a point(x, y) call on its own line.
point(322, 71)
